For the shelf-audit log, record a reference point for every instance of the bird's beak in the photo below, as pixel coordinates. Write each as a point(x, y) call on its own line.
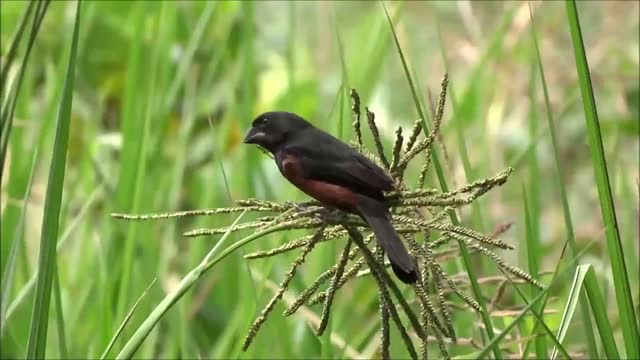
point(254, 136)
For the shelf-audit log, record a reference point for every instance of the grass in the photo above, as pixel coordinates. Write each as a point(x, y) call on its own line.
point(614, 244)
point(51, 218)
point(566, 212)
point(155, 118)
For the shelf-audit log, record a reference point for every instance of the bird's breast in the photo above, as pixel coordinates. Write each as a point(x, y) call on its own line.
point(327, 193)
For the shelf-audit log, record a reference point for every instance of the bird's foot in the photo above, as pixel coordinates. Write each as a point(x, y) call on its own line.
point(335, 215)
point(308, 210)
point(298, 207)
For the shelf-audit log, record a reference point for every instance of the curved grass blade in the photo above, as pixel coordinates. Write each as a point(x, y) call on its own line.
point(125, 321)
point(9, 100)
point(539, 320)
point(614, 244)
point(556, 275)
point(47, 257)
point(187, 282)
point(28, 287)
point(572, 301)
point(598, 308)
point(9, 272)
point(13, 47)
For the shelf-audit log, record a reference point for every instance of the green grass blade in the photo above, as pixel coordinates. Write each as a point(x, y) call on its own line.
point(291, 44)
point(125, 321)
point(47, 257)
point(599, 310)
point(540, 321)
point(9, 101)
point(460, 110)
point(187, 59)
point(62, 334)
point(443, 185)
point(132, 134)
point(187, 282)
point(543, 294)
point(533, 252)
point(182, 331)
point(496, 339)
point(13, 47)
point(249, 85)
point(345, 87)
point(572, 301)
point(614, 244)
point(9, 272)
point(568, 222)
point(28, 287)
point(140, 136)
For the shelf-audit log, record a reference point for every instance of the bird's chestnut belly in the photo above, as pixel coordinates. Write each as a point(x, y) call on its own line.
point(329, 194)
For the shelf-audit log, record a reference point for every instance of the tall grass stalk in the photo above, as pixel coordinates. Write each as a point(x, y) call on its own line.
point(53, 202)
point(626, 309)
point(566, 212)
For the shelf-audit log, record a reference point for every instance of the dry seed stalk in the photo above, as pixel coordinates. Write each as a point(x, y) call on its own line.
point(384, 315)
point(371, 119)
point(333, 287)
point(356, 116)
point(283, 286)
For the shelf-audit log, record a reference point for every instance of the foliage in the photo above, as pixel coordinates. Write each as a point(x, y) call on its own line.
point(162, 95)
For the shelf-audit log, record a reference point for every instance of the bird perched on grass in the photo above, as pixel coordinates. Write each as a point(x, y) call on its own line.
point(336, 175)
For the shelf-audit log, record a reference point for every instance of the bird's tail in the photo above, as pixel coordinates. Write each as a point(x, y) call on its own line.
point(375, 213)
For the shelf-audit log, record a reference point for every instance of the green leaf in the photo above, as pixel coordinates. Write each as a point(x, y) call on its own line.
point(614, 244)
point(533, 252)
point(47, 257)
point(599, 310)
point(13, 47)
point(62, 333)
point(543, 294)
point(572, 301)
point(539, 321)
point(138, 136)
point(125, 321)
point(9, 272)
point(8, 98)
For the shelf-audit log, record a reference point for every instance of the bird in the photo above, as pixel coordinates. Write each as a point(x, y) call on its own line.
point(334, 174)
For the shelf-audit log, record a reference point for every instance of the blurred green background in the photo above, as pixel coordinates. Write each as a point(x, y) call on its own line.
point(165, 91)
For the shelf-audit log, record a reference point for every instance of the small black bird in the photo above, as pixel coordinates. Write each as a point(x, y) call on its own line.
point(333, 173)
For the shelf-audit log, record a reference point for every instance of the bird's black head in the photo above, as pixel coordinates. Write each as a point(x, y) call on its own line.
point(272, 129)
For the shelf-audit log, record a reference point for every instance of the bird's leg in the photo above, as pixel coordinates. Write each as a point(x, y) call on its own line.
point(302, 206)
point(335, 215)
point(324, 213)
point(307, 209)
point(298, 207)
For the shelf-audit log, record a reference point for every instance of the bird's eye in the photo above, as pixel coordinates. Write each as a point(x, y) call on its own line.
point(260, 121)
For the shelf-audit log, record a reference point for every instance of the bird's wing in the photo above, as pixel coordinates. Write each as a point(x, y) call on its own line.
point(326, 158)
